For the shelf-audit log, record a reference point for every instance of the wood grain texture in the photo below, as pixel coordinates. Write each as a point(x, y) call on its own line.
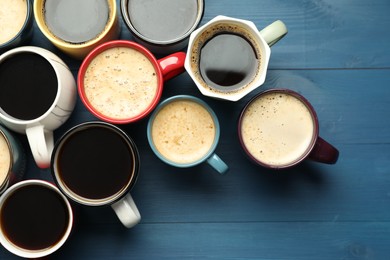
point(336, 55)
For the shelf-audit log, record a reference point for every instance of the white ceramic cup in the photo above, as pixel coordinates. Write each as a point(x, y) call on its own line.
point(30, 204)
point(227, 61)
point(39, 130)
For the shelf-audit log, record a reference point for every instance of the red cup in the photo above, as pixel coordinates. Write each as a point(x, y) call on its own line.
point(279, 128)
point(109, 84)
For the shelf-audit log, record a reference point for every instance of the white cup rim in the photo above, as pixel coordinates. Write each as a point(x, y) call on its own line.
point(36, 253)
point(41, 52)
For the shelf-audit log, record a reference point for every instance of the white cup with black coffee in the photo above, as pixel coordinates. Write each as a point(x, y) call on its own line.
point(36, 219)
point(37, 95)
point(227, 58)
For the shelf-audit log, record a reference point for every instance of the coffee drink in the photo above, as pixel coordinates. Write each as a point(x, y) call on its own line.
point(120, 83)
point(162, 20)
point(95, 163)
point(228, 62)
point(75, 21)
point(277, 129)
point(225, 58)
point(5, 159)
point(23, 76)
point(34, 217)
point(183, 131)
point(13, 15)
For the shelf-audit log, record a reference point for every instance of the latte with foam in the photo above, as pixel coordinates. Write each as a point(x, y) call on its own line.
point(13, 14)
point(277, 129)
point(5, 158)
point(183, 131)
point(120, 83)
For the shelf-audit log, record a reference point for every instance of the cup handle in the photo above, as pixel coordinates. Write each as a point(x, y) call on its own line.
point(41, 143)
point(172, 65)
point(274, 32)
point(324, 152)
point(127, 211)
point(216, 162)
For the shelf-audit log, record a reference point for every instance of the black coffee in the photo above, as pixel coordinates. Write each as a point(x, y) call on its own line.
point(28, 86)
point(34, 217)
point(162, 20)
point(76, 21)
point(95, 163)
point(228, 61)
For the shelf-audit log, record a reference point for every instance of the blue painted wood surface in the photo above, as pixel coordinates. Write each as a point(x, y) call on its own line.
point(337, 55)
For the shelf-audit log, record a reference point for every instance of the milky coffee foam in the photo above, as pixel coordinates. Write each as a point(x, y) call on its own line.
point(5, 159)
point(277, 129)
point(13, 14)
point(120, 83)
point(183, 131)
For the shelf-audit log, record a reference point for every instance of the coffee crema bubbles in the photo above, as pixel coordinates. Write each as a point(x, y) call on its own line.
point(13, 14)
point(120, 83)
point(183, 131)
point(277, 129)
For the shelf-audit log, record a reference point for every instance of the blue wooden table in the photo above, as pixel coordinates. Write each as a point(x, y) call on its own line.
point(337, 55)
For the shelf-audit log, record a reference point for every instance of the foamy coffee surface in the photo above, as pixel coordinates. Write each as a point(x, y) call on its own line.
point(183, 131)
point(5, 159)
point(120, 83)
point(13, 14)
point(277, 129)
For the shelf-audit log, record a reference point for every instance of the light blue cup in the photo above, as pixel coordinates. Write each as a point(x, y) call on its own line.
point(17, 163)
point(210, 156)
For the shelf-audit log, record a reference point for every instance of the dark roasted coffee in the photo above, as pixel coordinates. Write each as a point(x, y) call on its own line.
point(34, 217)
point(76, 21)
point(95, 163)
point(162, 20)
point(228, 61)
point(28, 86)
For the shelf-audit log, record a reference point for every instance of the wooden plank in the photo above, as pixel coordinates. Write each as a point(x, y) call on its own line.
point(275, 240)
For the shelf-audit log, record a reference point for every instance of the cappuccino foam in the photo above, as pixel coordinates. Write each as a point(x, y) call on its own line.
point(5, 159)
point(13, 14)
point(120, 83)
point(183, 131)
point(277, 129)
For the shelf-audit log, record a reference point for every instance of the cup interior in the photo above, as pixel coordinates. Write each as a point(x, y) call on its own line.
point(63, 224)
point(40, 12)
point(229, 74)
point(147, 99)
point(162, 22)
point(176, 132)
point(107, 167)
point(41, 105)
point(19, 22)
point(6, 160)
point(278, 128)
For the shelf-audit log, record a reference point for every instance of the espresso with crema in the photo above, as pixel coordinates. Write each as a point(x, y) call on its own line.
point(120, 83)
point(183, 131)
point(5, 159)
point(13, 14)
point(225, 58)
point(277, 129)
